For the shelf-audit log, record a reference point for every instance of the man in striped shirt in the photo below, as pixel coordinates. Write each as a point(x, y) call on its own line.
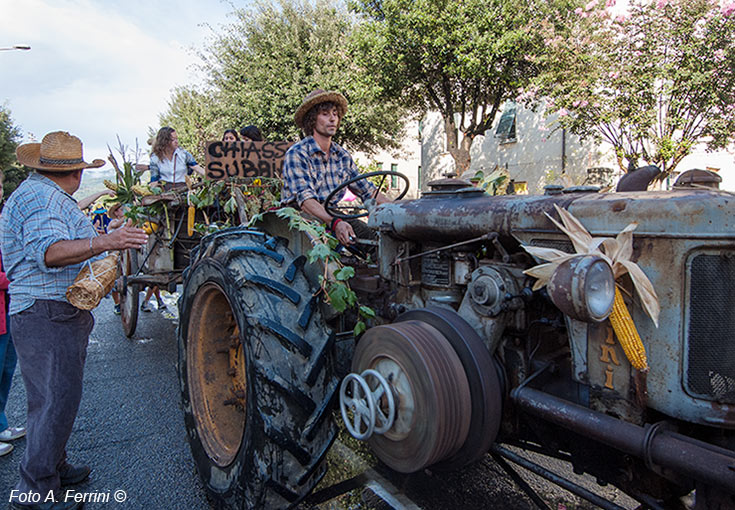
point(45, 239)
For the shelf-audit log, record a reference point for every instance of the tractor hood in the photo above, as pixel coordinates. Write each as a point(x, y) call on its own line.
point(458, 215)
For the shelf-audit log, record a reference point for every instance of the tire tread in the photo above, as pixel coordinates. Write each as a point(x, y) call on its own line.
point(291, 348)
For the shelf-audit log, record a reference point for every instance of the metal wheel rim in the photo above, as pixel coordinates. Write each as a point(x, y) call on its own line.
point(216, 374)
point(128, 294)
point(381, 395)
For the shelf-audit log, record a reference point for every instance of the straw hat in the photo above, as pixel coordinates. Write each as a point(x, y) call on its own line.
point(58, 152)
point(316, 97)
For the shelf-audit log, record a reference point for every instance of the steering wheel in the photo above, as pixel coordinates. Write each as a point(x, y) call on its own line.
point(336, 211)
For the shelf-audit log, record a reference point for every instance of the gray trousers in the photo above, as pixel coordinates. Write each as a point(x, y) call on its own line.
point(51, 341)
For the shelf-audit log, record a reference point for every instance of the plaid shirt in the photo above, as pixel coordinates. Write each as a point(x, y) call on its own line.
point(38, 214)
point(308, 173)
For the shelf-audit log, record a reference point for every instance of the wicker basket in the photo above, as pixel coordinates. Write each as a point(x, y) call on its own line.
point(93, 282)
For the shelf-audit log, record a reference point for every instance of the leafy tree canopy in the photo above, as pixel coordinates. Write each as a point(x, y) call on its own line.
point(10, 136)
point(197, 118)
point(462, 58)
point(653, 82)
point(265, 62)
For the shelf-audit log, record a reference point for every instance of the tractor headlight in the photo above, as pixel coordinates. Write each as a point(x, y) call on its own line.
point(583, 287)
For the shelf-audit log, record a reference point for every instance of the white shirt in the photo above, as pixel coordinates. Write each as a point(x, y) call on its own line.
point(174, 169)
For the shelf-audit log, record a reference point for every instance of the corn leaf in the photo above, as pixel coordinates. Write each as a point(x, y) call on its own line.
point(543, 274)
point(625, 242)
point(645, 290)
point(581, 239)
point(550, 254)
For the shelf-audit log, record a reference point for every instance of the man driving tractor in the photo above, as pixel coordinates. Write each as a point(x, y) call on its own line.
point(316, 166)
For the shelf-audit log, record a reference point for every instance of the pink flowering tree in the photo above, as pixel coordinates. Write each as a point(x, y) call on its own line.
point(653, 82)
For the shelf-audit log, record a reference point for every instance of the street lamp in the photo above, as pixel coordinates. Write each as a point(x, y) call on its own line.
point(24, 47)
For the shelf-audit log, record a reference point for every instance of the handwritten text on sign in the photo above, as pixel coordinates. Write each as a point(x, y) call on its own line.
point(245, 159)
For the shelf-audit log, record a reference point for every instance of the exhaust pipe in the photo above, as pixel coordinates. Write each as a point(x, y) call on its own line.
point(703, 462)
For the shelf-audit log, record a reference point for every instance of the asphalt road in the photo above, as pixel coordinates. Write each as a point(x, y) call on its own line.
point(130, 430)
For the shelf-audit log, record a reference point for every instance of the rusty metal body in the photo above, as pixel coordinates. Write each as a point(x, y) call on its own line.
point(472, 355)
point(459, 249)
point(673, 229)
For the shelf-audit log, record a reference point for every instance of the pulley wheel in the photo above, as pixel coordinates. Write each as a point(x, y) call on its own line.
point(482, 376)
point(431, 391)
point(355, 399)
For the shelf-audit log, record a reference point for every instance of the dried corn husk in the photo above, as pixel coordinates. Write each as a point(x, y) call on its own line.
point(617, 251)
point(93, 282)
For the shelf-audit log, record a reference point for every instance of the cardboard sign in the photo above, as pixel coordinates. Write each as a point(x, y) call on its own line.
point(245, 159)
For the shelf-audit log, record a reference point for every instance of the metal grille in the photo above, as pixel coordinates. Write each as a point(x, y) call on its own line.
point(557, 244)
point(710, 370)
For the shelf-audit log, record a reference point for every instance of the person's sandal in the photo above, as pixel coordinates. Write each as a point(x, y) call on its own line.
point(146, 307)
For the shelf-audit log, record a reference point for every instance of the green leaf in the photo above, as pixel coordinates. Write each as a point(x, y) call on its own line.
point(367, 312)
point(231, 205)
point(360, 328)
point(350, 296)
point(339, 297)
point(287, 212)
point(319, 252)
point(255, 219)
point(344, 273)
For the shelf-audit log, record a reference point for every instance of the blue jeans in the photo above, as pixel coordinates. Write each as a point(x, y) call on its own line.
point(51, 341)
point(7, 365)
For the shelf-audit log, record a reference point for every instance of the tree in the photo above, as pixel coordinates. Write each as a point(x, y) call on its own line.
point(196, 117)
point(462, 58)
point(264, 63)
point(10, 136)
point(653, 82)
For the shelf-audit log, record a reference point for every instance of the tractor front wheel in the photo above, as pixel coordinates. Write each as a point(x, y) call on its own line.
point(256, 371)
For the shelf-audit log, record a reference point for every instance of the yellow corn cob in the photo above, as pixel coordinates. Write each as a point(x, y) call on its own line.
point(190, 220)
point(110, 185)
point(149, 227)
point(141, 190)
point(627, 333)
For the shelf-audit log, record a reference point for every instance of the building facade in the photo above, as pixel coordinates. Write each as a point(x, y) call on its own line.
point(534, 150)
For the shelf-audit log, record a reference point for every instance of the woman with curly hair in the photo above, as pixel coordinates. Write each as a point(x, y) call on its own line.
point(169, 162)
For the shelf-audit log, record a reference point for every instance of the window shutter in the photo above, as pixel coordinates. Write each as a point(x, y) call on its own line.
point(506, 130)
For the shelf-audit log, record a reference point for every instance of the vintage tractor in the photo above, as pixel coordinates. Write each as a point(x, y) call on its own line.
point(464, 354)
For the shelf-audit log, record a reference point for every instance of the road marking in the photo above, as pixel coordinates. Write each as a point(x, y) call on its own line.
point(382, 488)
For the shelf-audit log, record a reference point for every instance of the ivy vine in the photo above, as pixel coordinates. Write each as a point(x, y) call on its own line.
point(335, 287)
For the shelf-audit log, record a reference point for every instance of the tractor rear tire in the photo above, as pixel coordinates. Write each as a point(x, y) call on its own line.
point(256, 368)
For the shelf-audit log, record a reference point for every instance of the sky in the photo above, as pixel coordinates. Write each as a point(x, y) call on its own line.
point(100, 68)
